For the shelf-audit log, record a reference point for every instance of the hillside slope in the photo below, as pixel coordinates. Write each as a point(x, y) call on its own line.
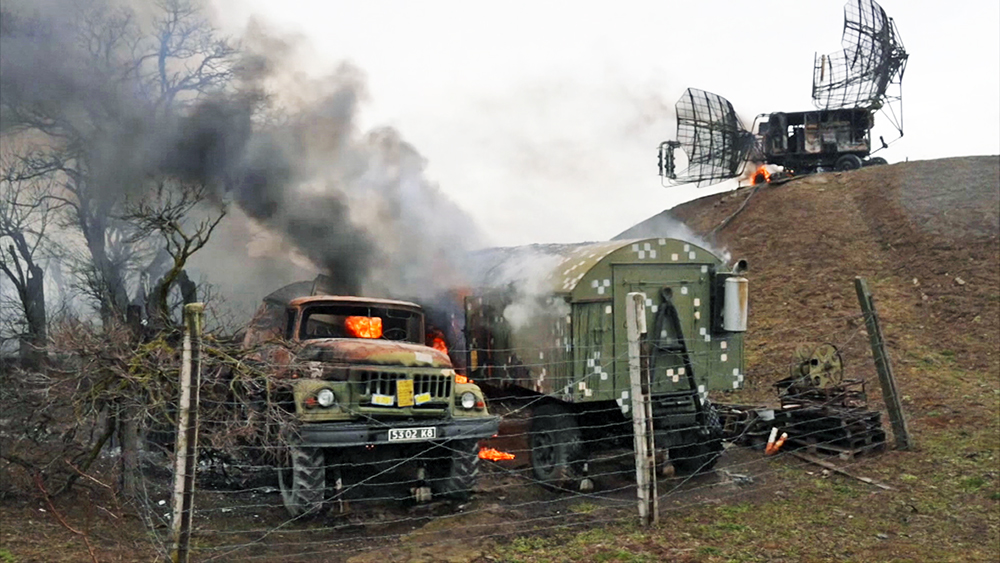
point(925, 234)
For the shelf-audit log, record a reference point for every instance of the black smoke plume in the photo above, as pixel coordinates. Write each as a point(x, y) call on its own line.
point(283, 148)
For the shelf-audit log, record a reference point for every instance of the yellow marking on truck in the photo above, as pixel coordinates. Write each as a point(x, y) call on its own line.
point(404, 392)
point(382, 400)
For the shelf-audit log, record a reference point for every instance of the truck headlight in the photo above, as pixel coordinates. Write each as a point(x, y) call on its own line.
point(468, 400)
point(325, 398)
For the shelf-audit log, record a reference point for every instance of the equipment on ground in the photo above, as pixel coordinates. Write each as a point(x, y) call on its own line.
point(820, 410)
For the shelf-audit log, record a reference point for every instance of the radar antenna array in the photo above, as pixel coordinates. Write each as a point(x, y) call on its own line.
point(712, 137)
point(868, 72)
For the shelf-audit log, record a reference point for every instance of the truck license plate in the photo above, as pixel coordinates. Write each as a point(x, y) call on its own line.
point(412, 434)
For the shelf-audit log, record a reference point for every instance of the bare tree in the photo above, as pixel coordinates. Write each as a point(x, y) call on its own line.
point(169, 211)
point(26, 213)
point(102, 96)
point(102, 139)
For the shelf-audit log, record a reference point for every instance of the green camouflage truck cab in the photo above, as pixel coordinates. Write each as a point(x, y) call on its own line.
point(559, 338)
point(361, 381)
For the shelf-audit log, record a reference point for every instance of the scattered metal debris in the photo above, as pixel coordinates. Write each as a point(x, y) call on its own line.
point(820, 411)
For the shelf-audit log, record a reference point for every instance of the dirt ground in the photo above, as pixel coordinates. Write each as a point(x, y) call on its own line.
point(926, 236)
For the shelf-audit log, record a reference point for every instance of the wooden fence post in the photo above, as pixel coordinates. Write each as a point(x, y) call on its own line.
point(645, 452)
point(882, 365)
point(186, 444)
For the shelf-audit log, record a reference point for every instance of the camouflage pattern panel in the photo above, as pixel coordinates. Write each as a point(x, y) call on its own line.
point(593, 376)
point(554, 369)
point(651, 266)
point(688, 289)
point(726, 367)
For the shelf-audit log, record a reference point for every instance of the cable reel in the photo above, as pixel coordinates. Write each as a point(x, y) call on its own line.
point(821, 367)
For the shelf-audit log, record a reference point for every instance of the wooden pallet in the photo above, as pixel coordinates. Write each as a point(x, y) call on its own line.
point(857, 447)
point(846, 433)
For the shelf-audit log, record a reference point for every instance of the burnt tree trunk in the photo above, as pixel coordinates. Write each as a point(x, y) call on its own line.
point(158, 309)
point(109, 283)
point(33, 350)
point(29, 282)
point(128, 429)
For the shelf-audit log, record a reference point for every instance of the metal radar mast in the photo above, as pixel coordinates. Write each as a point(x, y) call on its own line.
point(712, 137)
point(868, 72)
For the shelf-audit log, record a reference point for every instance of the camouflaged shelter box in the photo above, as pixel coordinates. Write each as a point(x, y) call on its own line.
point(561, 332)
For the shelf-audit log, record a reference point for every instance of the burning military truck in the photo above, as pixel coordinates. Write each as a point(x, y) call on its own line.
point(551, 330)
point(361, 385)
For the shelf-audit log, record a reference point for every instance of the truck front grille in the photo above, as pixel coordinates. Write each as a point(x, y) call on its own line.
point(437, 385)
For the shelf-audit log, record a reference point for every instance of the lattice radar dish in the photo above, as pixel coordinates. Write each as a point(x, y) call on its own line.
point(711, 136)
point(871, 62)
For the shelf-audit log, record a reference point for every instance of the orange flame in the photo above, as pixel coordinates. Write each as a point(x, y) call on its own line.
point(761, 175)
point(494, 454)
point(459, 378)
point(364, 327)
point(439, 344)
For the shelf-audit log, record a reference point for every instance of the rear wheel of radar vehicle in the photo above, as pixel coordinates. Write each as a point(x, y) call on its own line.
point(702, 451)
point(847, 162)
point(876, 161)
point(556, 448)
point(302, 479)
point(454, 475)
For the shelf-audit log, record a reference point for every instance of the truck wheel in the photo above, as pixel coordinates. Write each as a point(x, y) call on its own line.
point(702, 453)
point(847, 162)
point(556, 449)
point(695, 458)
point(876, 161)
point(455, 476)
point(302, 479)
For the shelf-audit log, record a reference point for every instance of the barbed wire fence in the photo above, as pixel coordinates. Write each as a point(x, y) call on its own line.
point(370, 506)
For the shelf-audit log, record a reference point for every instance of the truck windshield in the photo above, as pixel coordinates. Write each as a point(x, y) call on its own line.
point(360, 321)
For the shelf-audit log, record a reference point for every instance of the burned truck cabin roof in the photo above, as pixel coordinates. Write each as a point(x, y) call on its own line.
point(299, 302)
point(302, 311)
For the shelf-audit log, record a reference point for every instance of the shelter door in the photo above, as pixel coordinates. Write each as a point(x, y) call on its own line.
point(688, 288)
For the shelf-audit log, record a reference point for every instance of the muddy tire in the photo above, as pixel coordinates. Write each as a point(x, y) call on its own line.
point(876, 161)
point(556, 448)
point(302, 480)
point(455, 476)
point(702, 453)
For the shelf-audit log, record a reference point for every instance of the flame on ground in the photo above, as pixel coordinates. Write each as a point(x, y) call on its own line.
point(761, 175)
point(494, 454)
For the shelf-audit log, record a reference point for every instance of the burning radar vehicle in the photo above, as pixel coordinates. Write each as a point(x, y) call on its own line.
point(556, 338)
point(362, 386)
point(849, 88)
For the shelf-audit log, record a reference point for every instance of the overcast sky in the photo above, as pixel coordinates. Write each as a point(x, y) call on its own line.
point(542, 119)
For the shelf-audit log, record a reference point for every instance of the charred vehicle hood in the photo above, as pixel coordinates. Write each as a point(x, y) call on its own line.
point(373, 352)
